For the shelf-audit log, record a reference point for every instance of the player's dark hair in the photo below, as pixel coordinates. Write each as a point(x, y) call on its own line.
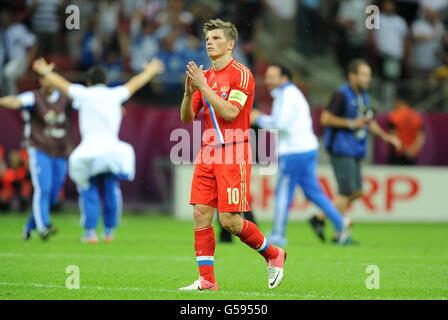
point(284, 71)
point(353, 66)
point(96, 75)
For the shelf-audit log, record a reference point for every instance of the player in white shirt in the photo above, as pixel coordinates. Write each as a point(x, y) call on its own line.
point(101, 159)
point(298, 153)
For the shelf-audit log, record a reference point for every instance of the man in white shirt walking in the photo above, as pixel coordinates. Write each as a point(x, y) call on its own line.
point(101, 160)
point(298, 153)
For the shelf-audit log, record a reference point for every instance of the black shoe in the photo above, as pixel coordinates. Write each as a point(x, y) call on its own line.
point(56, 207)
point(44, 235)
point(26, 235)
point(318, 227)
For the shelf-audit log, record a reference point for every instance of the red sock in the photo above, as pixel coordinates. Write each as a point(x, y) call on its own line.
point(204, 244)
point(252, 236)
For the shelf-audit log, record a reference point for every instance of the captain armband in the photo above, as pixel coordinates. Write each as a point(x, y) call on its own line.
point(238, 96)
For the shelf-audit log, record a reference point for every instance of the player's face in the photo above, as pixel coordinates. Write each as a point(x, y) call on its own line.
point(273, 77)
point(217, 45)
point(364, 76)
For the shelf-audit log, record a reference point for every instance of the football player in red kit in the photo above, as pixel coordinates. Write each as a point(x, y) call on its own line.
point(222, 171)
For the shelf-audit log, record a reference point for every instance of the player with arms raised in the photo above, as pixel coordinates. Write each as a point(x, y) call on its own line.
point(226, 92)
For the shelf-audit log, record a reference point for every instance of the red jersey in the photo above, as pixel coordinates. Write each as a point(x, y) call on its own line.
point(235, 84)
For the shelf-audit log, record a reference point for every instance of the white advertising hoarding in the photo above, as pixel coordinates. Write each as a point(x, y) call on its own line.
point(390, 194)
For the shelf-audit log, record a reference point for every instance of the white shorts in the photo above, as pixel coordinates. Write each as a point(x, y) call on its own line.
point(98, 156)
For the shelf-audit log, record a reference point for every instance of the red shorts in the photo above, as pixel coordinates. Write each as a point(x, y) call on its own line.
point(221, 178)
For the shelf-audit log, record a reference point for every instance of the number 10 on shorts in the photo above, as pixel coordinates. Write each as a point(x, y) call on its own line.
point(233, 195)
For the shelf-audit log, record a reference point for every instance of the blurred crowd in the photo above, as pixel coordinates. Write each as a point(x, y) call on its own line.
point(409, 50)
point(16, 189)
point(15, 181)
point(411, 43)
point(121, 35)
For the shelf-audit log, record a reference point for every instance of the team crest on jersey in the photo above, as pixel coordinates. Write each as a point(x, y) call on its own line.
point(224, 90)
point(52, 117)
point(215, 86)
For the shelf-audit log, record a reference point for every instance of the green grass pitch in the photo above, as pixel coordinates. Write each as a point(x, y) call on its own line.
point(153, 256)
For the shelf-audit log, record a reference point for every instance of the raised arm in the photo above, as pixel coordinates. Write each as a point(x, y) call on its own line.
point(45, 70)
point(186, 109)
point(10, 102)
point(225, 109)
point(150, 70)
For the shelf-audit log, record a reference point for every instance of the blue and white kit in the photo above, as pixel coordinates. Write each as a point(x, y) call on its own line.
point(298, 158)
